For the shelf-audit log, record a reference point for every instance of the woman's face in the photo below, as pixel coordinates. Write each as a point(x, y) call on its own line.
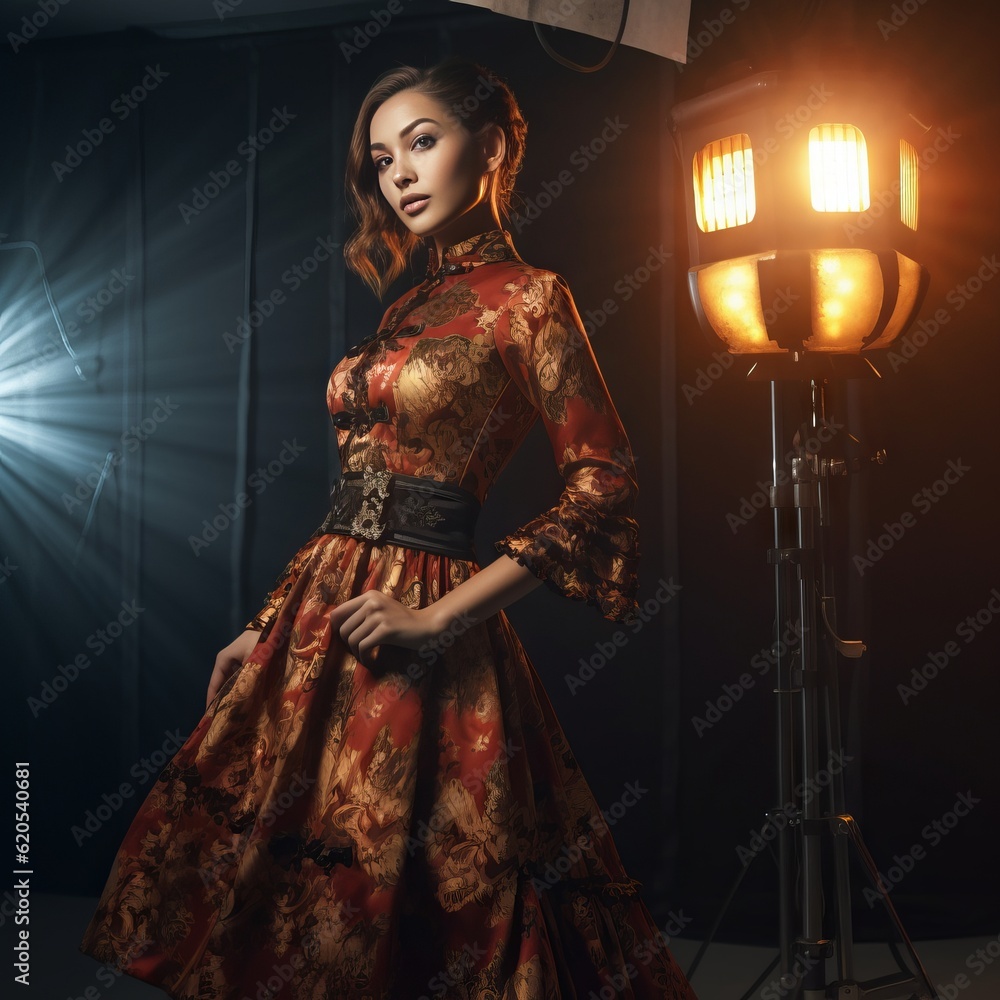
point(431, 170)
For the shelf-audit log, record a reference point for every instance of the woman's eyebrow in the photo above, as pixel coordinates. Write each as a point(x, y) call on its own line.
point(409, 128)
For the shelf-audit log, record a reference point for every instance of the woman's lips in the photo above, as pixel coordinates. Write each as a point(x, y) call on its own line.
point(415, 206)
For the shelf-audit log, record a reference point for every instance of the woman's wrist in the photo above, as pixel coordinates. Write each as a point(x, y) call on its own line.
point(442, 618)
point(484, 594)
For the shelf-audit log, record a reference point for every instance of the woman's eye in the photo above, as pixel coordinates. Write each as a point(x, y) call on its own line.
point(424, 141)
point(380, 162)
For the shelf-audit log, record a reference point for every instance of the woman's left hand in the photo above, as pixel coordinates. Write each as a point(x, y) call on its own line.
point(371, 619)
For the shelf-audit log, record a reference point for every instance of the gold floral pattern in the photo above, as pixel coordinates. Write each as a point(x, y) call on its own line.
point(333, 831)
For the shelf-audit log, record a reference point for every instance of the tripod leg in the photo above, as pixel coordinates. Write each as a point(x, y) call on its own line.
point(785, 659)
point(845, 825)
point(841, 852)
point(806, 497)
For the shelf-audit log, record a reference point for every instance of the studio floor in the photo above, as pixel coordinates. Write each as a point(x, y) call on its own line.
point(966, 968)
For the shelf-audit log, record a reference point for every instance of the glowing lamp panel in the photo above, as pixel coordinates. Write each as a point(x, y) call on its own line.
point(838, 169)
point(723, 184)
point(846, 288)
point(730, 296)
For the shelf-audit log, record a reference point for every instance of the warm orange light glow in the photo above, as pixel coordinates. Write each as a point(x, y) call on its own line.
point(838, 169)
point(909, 170)
point(846, 298)
point(846, 289)
point(730, 295)
point(723, 184)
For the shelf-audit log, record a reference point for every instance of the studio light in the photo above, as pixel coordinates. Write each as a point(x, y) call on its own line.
point(802, 216)
point(802, 208)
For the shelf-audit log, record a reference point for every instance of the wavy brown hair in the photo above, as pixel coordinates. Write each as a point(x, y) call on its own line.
point(380, 248)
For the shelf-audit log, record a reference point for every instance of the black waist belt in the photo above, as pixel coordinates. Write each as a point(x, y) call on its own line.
point(390, 507)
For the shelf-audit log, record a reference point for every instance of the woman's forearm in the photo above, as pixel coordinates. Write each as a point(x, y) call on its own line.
point(502, 582)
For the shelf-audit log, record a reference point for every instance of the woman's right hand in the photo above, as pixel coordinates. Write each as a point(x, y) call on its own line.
point(228, 660)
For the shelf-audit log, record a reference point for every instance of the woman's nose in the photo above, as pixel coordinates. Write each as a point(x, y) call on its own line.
point(403, 173)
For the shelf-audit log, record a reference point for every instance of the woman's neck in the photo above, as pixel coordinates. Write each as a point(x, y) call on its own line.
point(479, 219)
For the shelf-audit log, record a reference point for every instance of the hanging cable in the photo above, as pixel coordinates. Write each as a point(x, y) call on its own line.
point(568, 63)
point(31, 245)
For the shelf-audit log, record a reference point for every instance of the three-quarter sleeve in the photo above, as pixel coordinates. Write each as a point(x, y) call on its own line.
point(261, 622)
point(586, 546)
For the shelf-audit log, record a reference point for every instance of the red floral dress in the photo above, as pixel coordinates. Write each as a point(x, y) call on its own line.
point(423, 830)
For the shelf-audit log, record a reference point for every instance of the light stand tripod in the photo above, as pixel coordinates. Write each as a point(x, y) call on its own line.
point(810, 757)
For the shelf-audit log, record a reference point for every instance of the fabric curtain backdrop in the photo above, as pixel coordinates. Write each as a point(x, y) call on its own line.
point(212, 191)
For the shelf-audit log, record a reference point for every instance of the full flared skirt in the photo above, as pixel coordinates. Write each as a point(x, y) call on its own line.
point(416, 830)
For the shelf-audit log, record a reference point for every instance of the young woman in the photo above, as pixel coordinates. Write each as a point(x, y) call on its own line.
point(379, 801)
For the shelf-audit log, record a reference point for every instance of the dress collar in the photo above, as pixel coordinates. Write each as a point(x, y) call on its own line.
point(486, 248)
point(459, 258)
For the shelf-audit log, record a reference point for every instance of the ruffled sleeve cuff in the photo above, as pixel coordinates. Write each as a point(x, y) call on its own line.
point(582, 554)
